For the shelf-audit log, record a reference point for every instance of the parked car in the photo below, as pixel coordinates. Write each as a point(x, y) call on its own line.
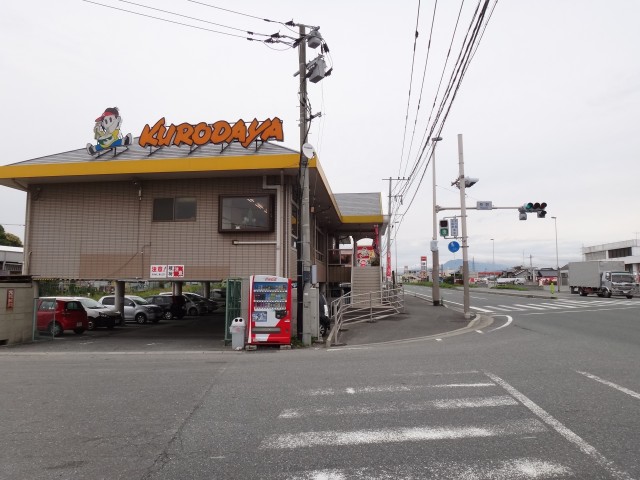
point(194, 308)
point(211, 305)
point(219, 296)
point(325, 315)
point(172, 306)
point(99, 315)
point(136, 309)
point(55, 315)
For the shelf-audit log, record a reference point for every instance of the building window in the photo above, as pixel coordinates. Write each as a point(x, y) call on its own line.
point(620, 252)
point(174, 209)
point(246, 213)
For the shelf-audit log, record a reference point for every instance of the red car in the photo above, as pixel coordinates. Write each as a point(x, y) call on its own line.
point(55, 315)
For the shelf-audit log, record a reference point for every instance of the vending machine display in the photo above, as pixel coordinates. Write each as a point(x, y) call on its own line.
point(269, 310)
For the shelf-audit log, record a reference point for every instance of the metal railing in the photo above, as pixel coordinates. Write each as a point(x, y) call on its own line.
point(364, 307)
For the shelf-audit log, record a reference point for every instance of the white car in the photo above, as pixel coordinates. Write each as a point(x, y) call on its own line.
point(136, 309)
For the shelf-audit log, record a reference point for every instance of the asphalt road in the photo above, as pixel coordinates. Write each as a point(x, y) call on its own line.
point(540, 393)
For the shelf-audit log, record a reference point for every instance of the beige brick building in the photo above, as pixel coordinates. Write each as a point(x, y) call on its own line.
point(216, 211)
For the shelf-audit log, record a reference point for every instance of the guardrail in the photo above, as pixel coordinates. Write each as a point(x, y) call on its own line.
point(364, 307)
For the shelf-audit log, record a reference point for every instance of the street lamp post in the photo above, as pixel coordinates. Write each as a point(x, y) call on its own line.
point(435, 267)
point(555, 224)
point(493, 255)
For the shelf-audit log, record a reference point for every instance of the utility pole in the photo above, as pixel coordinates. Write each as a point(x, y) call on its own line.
point(463, 212)
point(435, 264)
point(388, 252)
point(304, 263)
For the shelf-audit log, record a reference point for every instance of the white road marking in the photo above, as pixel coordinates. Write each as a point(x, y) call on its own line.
point(479, 298)
point(391, 388)
point(509, 320)
point(437, 374)
point(445, 404)
point(562, 430)
point(438, 339)
point(484, 310)
point(558, 305)
point(394, 435)
point(479, 331)
point(508, 308)
point(610, 384)
point(580, 311)
point(515, 469)
point(347, 348)
point(528, 306)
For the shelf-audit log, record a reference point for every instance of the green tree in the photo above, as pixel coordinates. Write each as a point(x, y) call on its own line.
point(9, 239)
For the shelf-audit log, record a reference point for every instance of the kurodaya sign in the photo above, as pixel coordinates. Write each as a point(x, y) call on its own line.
point(160, 135)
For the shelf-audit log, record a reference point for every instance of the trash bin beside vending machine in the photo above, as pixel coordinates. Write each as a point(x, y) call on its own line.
point(269, 310)
point(237, 328)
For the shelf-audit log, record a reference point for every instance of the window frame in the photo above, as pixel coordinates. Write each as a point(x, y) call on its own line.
point(173, 210)
point(270, 213)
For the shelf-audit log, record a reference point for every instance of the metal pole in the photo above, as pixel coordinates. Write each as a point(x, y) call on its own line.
point(463, 213)
point(387, 267)
point(555, 224)
point(304, 310)
point(493, 254)
point(435, 264)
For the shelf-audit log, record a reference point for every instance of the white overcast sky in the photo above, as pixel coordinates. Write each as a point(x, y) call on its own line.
point(549, 109)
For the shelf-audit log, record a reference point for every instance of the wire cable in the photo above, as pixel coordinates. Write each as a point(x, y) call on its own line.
point(196, 19)
point(406, 117)
point(269, 40)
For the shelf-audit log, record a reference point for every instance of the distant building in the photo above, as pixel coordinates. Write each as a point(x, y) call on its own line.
point(627, 251)
point(11, 260)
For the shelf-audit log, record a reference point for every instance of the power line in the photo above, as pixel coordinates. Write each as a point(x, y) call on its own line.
point(290, 23)
point(406, 118)
point(268, 40)
point(196, 19)
point(424, 75)
point(464, 58)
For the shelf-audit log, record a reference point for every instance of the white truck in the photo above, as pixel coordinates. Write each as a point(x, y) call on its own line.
point(604, 278)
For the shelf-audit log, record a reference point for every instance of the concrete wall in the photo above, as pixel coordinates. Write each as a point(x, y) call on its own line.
point(16, 324)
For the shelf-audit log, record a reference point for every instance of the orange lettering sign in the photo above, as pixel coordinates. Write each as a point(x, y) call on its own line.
point(219, 132)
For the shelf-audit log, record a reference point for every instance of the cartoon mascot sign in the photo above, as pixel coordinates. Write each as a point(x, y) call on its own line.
point(107, 132)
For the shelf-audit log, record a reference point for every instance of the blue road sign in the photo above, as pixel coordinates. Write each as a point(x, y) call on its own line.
point(454, 246)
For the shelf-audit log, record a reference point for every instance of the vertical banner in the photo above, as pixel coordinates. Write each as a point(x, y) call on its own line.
point(388, 263)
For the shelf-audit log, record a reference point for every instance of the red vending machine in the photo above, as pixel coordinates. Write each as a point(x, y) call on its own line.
point(269, 310)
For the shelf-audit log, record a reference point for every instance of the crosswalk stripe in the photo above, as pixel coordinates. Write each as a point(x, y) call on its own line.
point(391, 388)
point(484, 310)
point(445, 404)
point(529, 306)
point(558, 305)
point(394, 435)
point(508, 308)
point(514, 469)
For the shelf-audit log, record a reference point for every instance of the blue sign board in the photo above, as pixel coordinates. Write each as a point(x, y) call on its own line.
point(454, 246)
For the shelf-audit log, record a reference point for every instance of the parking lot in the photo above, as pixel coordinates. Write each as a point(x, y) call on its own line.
point(205, 332)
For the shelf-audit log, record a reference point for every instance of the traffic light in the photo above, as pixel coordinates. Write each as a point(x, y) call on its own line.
point(444, 228)
point(533, 207)
point(541, 210)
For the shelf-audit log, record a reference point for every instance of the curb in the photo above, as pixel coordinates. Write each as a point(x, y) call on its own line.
point(481, 321)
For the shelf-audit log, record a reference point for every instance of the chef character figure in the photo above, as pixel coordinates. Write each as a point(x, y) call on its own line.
point(107, 132)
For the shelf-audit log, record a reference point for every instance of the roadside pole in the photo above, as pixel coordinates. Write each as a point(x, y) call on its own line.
point(463, 213)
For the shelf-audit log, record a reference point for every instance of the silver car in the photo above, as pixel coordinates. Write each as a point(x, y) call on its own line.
point(136, 309)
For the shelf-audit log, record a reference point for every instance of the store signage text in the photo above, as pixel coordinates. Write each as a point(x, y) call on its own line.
point(166, 271)
point(219, 132)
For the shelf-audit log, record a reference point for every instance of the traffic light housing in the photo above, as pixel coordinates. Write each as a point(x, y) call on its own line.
point(444, 228)
point(533, 207)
